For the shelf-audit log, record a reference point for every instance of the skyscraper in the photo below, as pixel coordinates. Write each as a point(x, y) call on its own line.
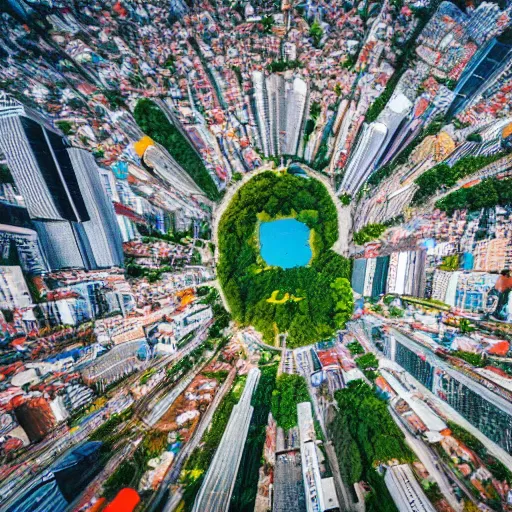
point(277, 112)
point(280, 112)
point(62, 189)
point(101, 229)
point(262, 110)
point(296, 99)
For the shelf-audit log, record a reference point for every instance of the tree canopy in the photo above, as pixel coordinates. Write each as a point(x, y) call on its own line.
point(154, 123)
point(487, 194)
point(312, 313)
point(442, 175)
point(316, 33)
point(368, 233)
point(364, 436)
point(291, 389)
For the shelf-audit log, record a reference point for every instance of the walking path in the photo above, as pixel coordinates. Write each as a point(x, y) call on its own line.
point(214, 283)
point(341, 246)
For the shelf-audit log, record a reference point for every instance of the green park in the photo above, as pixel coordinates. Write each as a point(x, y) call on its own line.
point(304, 291)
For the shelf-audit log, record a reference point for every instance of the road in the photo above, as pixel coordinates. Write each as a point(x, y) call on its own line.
point(13, 486)
point(146, 401)
point(428, 459)
point(305, 365)
point(341, 246)
point(251, 336)
point(443, 406)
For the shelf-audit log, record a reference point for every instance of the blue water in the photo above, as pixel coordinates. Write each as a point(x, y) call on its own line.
point(285, 243)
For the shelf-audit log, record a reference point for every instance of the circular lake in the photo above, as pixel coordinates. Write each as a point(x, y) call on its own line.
point(285, 243)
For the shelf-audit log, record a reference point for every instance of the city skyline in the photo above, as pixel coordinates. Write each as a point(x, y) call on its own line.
point(255, 256)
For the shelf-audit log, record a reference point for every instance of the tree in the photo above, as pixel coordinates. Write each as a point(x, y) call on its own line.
point(316, 33)
point(344, 301)
point(486, 194)
point(268, 23)
point(450, 263)
point(396, 312)
point(291, 389)
point(315, 110)
point(367, 362)
point(355, 348)
point(65, 126)
point(155, 124)
point(471, 358)
point(469, 506)
point(345, 199)
point(474, 137)
point(368, 233)
point(365, 435)
point(465, 326)
point(277, 66)
point(442, 175)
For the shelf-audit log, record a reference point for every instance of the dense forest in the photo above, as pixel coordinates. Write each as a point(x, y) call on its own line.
point(364, 436)
point(319, 302)
point(154, 123)
point(486, 194)
point(443, 176)
point(291, 389)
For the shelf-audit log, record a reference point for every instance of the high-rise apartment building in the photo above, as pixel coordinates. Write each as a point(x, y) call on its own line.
point(62, 189)
point(260, 99)
point(101, 229)
point(296, 102)
point(281, 108)
point(372, 143)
